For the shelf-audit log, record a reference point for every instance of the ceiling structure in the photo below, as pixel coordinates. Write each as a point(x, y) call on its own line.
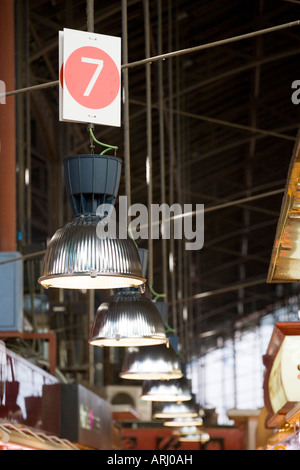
point(221, 117)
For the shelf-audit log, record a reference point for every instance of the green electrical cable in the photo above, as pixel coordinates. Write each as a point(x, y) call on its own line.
point(156, 295)
point(109, 147)
point(169, 329)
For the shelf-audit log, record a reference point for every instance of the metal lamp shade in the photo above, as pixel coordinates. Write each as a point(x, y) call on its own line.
point(188, 430)
point(174, 410)
point(203, 437)
point(180, 422)
point(91, 180)
point(174, 391)
point(78, 258)
point(127, 319)
point(151, 362)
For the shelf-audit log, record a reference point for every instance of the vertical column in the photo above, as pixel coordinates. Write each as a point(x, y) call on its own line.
point(7, 130)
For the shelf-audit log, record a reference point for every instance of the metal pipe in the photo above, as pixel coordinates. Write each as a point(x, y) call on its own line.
point(210, 45)
point(126, 104)
point(169, 55)
point(41, 86)
point(171, 166)
point(223, 290)
point(91, 296)
point(149, 135)
point(162, 149)
point(24, 257)
point(222, 122)
point(180, 180)
point(236, 126)
point(90, 16)
point(220, 206)
point(239, 201)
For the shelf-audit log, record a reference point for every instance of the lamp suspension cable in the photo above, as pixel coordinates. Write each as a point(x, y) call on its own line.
point(149, 133)
point(91, 295)
point(171, 166)
point(126, 104)
point(162, 146)
point(91, 28)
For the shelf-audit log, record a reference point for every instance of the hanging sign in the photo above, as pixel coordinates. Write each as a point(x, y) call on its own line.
point(282, 373)
point(90, 77)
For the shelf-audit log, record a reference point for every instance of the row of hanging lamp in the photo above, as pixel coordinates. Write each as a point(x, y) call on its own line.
point(78, 256)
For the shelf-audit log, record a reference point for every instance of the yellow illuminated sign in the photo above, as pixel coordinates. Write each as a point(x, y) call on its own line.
point(284, 380)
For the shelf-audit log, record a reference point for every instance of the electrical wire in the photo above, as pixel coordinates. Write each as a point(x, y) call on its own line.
point(109, 147)
point(166, 55)
point(156, 295)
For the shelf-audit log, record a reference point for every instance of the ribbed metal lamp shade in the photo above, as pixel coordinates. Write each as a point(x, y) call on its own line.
point(171, 391)
point(151, 363)
point(203, 437)
point(174, 410)
point(191, 430)
point(180, 422)
point(127, 319)
point(78, 258)
point(200, 437)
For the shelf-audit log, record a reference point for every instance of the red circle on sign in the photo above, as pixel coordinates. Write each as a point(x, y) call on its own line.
point(92, 77)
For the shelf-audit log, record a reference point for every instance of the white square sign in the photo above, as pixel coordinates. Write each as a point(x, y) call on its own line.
point(90, 78)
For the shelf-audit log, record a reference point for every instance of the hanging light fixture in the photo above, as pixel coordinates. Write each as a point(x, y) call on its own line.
point(202, 438)
point(158, 362)
point(162, 391)
point(174, 410)
point(180, 422)
point(127, 319)
point(79, 255)
point(187, 430)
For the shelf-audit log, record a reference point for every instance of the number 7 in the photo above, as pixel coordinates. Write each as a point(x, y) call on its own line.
point(99, 64)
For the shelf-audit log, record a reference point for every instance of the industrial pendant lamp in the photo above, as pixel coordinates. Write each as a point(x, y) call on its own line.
point(158, 362)
point(127, 319)
point(79, 256)
point(162, 391)
point(180, 422)
point(174, 410)
point(187, 430)
point(203, 437)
